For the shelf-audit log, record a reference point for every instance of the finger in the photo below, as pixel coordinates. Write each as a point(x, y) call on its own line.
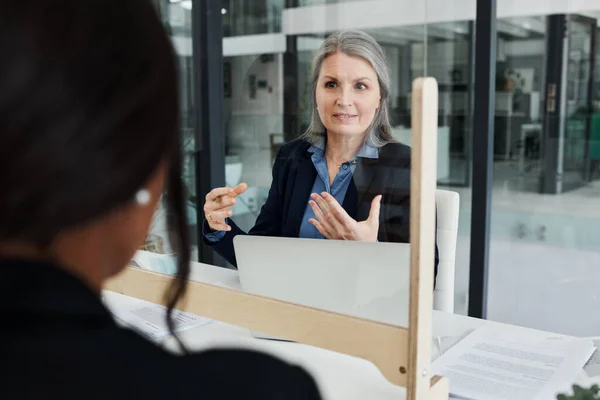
point(336, 223)
point(323, 205)
point(217, 220)
point(338, 211)
point(320, 228)
point(216, 193)
point(224, 205)
point(317, 210)
point(241, 188)
point(219, 216)
point(375, 209)
point(322, 219)
point(218, 211)
point(223, 202)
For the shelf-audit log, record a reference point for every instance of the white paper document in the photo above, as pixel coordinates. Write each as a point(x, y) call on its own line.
point(441, 344)
point(149, 318)
point(511, 363)
point(592, 367)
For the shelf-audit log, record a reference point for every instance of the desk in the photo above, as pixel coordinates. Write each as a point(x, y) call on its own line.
point(339, 376)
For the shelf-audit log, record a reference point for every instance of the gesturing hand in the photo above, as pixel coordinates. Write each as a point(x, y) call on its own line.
point(334, 222)
point(218, 206)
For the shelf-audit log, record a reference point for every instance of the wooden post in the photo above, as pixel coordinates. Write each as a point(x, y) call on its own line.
point(424, 116)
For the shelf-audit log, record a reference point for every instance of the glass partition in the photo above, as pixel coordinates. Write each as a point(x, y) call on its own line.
point(177, 19)
point(269, 106)
point(327, 166)
point(545, 246)
point(268, 102)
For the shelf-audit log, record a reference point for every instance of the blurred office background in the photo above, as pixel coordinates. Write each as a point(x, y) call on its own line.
point(244, 91)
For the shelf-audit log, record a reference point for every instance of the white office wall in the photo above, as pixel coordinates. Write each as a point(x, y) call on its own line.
point(250, 120)
point(253, 44)
point(246, 45)
point(519, 8)
point(526, 48)
point(368, 14)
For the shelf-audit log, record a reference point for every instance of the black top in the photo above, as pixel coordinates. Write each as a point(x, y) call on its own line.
point(293, 177)
point(57, 340)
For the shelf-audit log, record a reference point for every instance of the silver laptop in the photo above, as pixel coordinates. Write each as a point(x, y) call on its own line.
point(367, 280)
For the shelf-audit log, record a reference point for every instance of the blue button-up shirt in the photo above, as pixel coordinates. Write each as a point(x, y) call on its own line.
point(337, 189)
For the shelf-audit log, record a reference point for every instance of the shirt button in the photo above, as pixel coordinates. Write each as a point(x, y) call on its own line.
point(345, 166)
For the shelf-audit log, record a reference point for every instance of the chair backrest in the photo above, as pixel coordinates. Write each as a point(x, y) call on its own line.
point(447, 204)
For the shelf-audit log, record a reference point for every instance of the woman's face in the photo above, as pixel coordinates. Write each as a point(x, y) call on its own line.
point(347, 94)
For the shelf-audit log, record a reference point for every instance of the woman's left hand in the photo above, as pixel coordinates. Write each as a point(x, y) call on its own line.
point(334, 222)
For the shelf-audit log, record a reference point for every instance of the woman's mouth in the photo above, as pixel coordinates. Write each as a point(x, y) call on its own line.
point(344, 117)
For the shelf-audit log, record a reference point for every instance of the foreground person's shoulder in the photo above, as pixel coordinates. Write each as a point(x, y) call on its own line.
point(236, 373)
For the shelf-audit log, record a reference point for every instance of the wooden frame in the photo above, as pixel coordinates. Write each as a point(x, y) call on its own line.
point(402, 355)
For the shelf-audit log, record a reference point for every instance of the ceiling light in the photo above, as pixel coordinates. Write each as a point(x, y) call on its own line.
point(187, 4)
point(223, 11)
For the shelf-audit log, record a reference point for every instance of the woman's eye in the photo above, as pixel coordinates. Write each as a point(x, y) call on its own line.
point(330, 84)
point(361, 86)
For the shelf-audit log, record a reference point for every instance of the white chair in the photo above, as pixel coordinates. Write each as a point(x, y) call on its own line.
point(447, 204)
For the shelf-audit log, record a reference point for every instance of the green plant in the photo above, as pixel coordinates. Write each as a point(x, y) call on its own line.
point(580, 393)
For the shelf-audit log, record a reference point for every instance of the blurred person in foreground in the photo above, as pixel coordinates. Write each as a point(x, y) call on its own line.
point(89, 137)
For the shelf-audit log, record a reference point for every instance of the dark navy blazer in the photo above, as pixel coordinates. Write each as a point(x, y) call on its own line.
point(293, 177)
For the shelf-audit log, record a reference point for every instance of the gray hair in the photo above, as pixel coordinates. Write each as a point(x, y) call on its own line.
point(360, 44)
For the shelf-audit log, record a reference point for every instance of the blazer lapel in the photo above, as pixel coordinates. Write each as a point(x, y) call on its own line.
point(359, 190)
point(303, 184)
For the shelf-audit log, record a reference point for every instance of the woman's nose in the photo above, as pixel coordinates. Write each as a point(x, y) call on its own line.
point(345, 98)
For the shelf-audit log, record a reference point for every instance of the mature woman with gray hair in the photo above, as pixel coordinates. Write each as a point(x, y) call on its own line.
point(346, 178)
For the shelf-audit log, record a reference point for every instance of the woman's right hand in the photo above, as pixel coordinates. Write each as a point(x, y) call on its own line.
point(218, 206)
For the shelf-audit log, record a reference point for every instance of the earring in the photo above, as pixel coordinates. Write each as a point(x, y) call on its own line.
point(142, 197)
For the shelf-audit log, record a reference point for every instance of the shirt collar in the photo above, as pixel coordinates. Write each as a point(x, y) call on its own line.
point(366, 151)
